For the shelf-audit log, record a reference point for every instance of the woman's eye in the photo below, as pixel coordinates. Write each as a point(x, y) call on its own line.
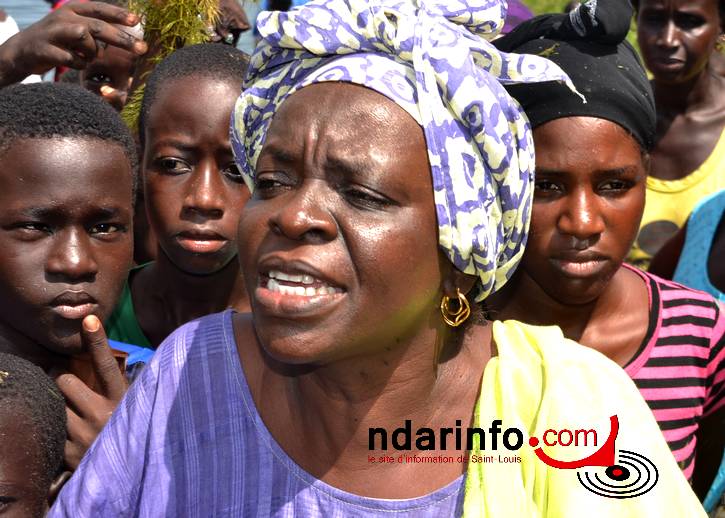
point(614, 185)
point(32, 229)
point(233, 172)
point(365, 199)
point(173, 165)
point(5, 502)
point(268, 182)
point(546, 186)
point(689, 21)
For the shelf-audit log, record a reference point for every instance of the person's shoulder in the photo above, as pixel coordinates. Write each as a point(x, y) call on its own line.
point(545, 344)
point(211, 331)
point(675, 294)
point(194, 342)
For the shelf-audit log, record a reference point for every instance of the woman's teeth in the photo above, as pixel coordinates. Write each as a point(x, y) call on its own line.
point(301, 279)
point(319, 288)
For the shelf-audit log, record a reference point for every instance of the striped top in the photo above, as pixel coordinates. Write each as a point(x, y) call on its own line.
point(680, 366)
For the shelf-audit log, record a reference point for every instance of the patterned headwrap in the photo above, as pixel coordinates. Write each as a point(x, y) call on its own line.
point(432, 58)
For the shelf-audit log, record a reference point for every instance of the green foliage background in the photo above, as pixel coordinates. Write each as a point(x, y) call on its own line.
point(546, 6)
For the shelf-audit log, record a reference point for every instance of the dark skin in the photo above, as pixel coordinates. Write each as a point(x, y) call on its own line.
point(110, 74)
point(337, 199)
point(665, 262)
point(67, 250)
point(587, 209)
point(71, 36)
point(194, 195)
point(592, 199)
point(677, 39)
point(232, 22)
point(24, 481)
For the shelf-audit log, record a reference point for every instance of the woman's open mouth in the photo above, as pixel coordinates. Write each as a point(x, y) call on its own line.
point(290, 292)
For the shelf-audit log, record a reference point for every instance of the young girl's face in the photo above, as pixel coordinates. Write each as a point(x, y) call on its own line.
point(65, 236)
point(587, 206)
point(676, 37)
point(194, 191)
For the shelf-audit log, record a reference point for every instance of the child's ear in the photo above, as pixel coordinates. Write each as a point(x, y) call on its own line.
point(57, 485)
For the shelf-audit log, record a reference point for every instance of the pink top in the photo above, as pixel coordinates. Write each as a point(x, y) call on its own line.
point(680, 366)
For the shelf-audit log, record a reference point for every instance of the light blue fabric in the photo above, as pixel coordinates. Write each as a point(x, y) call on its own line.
point(717, 489)
point(701, 227)
point(136, 354)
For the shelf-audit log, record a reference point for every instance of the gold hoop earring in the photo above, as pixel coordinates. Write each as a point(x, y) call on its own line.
point(457, 317)
point(720, 44)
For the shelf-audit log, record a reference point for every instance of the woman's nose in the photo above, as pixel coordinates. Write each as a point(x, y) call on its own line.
point(303, 215)
point(581, 219)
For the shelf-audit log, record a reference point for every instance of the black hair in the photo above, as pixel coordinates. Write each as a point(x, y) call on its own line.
point(279, 5)
point(53, 110)
point(26, 390)
point(207, 60)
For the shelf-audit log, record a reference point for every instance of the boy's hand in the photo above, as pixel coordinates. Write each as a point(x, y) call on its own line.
point(87, 410)
point(71, 36)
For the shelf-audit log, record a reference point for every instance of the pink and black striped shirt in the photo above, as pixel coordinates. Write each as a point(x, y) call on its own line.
point(680, 366)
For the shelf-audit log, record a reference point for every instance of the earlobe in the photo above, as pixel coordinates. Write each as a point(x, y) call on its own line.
point(57, 485)
point(457, 280)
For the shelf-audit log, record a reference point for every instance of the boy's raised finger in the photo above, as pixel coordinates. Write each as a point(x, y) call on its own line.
point(106, 12)
point(109, 376)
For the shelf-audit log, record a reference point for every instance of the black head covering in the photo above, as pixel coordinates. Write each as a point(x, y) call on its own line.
point(589, 45)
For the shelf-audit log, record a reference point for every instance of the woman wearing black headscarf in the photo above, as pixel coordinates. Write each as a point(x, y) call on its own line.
point(591, 167)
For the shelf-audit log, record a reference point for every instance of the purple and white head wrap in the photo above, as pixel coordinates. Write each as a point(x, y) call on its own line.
point(434, 59)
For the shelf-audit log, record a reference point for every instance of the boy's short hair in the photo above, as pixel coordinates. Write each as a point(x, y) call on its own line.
point(28, 391)
point(53, 110)
point(208, 60)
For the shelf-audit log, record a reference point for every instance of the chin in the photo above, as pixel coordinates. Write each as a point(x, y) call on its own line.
point(292, 347)
point(203, 266)
point(577, 294)
point(64, 345)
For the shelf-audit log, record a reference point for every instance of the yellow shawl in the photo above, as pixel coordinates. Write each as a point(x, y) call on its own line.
point(540, 381)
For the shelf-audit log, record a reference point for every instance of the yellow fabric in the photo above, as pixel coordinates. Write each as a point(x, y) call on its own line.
point(669, 203)
point(541, 380)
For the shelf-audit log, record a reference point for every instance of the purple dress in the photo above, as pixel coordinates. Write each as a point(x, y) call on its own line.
point(187, 441)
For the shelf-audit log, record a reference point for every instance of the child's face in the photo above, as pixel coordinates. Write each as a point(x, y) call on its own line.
point(65, 235)
point(114, 68)
point(22, 491)
point(194, 191)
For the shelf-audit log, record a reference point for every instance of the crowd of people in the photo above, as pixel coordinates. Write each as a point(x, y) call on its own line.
point(393, 213)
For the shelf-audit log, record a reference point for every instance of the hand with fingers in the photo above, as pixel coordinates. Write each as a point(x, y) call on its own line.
point(89, 410)
point(70, 36)
point(114, 97)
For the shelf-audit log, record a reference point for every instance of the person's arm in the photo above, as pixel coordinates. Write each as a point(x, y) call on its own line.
point(711, 434)
point(107, 479)
point(88, 411)
point(664, 263)
point(71, 36)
